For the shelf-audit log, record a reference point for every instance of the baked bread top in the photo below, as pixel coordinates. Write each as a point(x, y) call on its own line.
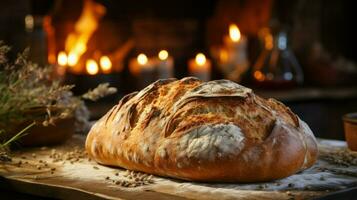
point(203, 131)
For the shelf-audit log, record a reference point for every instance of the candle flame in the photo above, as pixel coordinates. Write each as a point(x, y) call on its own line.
point(234, 33)
point(142, 59)
point(62, 58)
point(92, 67)
point(259, 76)
point(163, 55)
point(72, 59)
point(200, 59)
point(105, 64)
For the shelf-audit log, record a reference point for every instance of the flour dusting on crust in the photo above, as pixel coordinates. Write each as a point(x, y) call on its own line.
point(208, 141)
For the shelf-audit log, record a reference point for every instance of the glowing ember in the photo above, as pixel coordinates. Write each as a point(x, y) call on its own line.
point(163, 55)
point(142, 59)
point(200, 59)
point(92, 67)
point(105, 64)
point(234, 33)
point(62, 58)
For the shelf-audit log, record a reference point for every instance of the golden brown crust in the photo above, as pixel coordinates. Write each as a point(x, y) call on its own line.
point(203, 131)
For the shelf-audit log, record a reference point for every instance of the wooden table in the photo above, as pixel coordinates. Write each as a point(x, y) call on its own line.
point(66, 172)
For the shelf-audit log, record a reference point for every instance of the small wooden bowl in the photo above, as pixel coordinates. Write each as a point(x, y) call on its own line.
point(350, 126)
point(40, 135)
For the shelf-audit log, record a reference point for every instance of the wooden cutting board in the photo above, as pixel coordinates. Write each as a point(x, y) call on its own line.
point(65, 171)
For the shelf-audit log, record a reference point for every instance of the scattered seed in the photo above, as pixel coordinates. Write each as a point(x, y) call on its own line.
point(258, 187)
point(95, 167)
point(308, 187)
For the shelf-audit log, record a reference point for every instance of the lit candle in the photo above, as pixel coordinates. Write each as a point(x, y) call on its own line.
point(60, 68)
point(143, 69)
point(200, 67)
point(62, 58)
point(235, 39)
point(165, 64)
point(139, 63)
point(72, 59)
point(236, 46)
point(92, 67)
point(105, 64)
point(232, 58)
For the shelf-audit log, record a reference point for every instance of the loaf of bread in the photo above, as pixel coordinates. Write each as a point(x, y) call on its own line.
point(216, 131)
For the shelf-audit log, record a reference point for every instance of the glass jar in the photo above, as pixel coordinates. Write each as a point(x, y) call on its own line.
point(276, 66)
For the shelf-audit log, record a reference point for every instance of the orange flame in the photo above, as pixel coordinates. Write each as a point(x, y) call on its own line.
point(62, 58)
point(105, 64)
point(259, 76)
point(92, 67)
point(200, 59)
point(76, 42)
point(163, 55)
point(142, 59)
point(234, 33)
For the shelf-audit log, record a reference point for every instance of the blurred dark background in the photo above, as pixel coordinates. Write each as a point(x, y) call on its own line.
point(320, 34)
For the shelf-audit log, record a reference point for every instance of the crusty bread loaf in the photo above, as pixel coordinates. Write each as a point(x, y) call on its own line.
point(203, 131)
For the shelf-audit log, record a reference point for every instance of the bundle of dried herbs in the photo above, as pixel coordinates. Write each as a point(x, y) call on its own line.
point(29, 95)
point(342, 157)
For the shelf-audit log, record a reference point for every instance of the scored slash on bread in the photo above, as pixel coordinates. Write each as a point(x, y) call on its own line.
point(203, 131)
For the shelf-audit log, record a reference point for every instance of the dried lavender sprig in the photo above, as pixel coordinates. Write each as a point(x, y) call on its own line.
point(101, 91)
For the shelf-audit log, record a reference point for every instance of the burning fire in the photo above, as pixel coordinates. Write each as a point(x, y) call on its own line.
point(76, 42)
point(234, 33)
